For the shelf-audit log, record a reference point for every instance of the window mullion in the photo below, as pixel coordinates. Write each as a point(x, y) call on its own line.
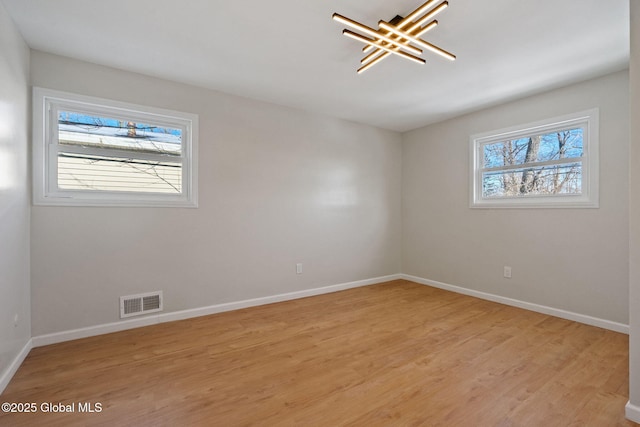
point(534, 165)
point(110, 152)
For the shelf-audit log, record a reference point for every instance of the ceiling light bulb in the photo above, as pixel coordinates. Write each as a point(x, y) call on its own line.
point(406, 21)
point(419, 11)
point(442, 6)
point(372, 56)
point(376, 52)
point(374, 33)
point(373, 62)
point(419, 42)
point(383, 54)
point(378, 44)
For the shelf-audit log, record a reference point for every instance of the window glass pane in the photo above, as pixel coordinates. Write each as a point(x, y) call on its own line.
point(90, 172)
point(81, 129)
point(548, 180)
point(564, 144)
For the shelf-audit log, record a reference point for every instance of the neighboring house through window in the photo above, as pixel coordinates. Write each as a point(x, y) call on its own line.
point(97, 152)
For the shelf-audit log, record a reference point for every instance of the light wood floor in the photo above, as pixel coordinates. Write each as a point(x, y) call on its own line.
point(395, 354)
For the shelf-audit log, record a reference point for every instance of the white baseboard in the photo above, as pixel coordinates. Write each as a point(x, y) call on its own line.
point(107, 328)
point(632, 412)
point(11, 370)
point(569, 315)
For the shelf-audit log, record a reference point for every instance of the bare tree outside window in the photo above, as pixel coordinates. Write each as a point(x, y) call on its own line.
point(551, 163)
point(544, 164)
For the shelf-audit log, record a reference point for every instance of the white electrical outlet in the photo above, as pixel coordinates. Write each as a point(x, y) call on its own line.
point(15, 320)
point(507, 272)
point(299, 268)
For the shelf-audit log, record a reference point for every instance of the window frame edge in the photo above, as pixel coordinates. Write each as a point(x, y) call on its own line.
point(43, 196)
point(591, 200)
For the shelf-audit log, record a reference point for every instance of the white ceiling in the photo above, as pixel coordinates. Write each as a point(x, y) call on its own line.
point(292, 53)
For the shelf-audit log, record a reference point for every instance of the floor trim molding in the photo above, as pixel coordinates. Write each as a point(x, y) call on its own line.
point(564, 314)
point(57, 337)
point(632, 412)
point(11, 370)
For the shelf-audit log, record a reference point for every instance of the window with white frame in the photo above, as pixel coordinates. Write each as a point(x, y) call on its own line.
point(553, 163)
point(97, 152)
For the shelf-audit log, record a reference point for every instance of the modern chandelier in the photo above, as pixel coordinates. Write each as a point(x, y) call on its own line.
point(400, 36)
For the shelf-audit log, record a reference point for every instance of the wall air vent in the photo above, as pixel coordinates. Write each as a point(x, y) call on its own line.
point(136, 305)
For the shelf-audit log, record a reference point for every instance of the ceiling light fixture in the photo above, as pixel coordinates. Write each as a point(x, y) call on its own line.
point(373, 33)
point(408, 20)
point(418, 41)
point(371, 56)
point(379, 45)
point(399, 36)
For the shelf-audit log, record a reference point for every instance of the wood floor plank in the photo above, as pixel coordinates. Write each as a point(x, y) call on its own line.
point(397, 353)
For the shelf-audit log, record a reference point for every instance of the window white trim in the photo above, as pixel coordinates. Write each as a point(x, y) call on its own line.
point(590, 177)
point(47, 102)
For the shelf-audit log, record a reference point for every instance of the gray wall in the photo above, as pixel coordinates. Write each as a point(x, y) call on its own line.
point(280, 186)
point(277, 186)
point(571, 259)
point(634, 213)
point(14, 193)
